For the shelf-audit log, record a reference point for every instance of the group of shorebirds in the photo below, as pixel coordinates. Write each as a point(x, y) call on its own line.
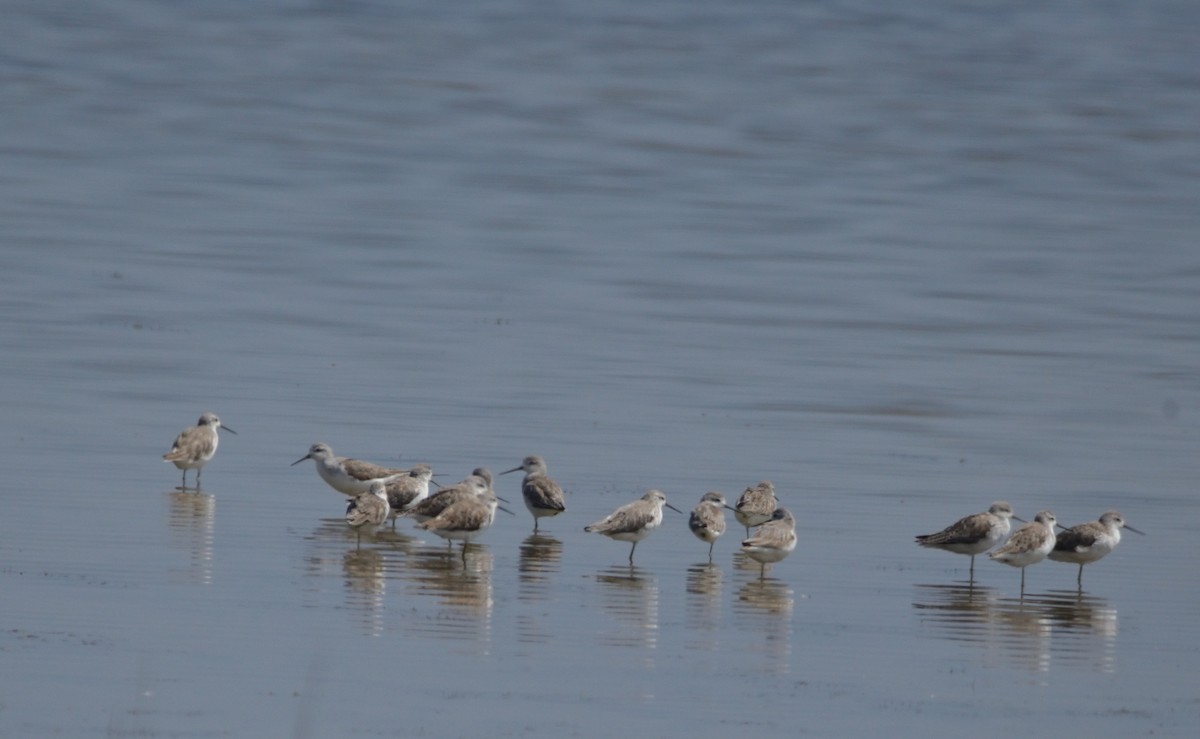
point(463, 511)
point(1033, 542)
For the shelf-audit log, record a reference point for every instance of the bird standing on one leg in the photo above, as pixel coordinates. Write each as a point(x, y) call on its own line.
point(974, 534)
point(772, 540)
point(756, 505)
point(1029, 545)
point(543, 496)
point(1090, 542)
point(633, 521)
point(707, 520)
point(368, 510)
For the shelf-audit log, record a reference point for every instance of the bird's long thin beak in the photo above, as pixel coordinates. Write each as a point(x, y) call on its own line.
point(1018, 518)
point(298, 461)
point(1130, 528)
point(1064, 528)
point(514, 469)
point(502, 508)
point(668, 505)
point(731, 508)
point(229, 429)
point(502, 500)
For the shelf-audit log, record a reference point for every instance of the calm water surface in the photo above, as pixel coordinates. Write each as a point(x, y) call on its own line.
point(902, 263)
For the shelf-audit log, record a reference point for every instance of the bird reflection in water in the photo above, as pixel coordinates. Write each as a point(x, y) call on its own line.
point(763, 610)
point(364, 572)
point(630, 595)
point(539, 560)
point(1032, 632)
point(454, 592)
point(191, 523)
point(329, 540)
point(704, 605)
point(742, 563)
point(365, 578)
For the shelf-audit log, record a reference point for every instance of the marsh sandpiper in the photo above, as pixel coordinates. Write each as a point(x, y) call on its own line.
point(345, 475)
point(543, 496)
point(368, 510)
point(1090, 542)
point(773, 540)
point(756, 505)
point(973, 534)
point(707, 520)
point(633, 521)
point(195, 445)
point(408, 490)
point(465, 519)
point(472, 486)
point(1029, 544)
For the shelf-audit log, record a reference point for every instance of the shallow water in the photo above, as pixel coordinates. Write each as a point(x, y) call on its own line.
point(900, 263)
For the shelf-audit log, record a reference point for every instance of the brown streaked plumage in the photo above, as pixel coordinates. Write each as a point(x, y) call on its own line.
point(1090, 542)
point(633, 521)
point(707, 520)
point(772, 540)
point(1028, 545)
point(974, 534)
point(345, 475)
point(368, 510)
point(195, 445)
point(543, 496)
point(756, 505)
point(472, 486)
point(406, 491)
point(465, 519)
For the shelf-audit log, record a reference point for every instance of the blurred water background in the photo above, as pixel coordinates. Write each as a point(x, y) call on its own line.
point(900, 260)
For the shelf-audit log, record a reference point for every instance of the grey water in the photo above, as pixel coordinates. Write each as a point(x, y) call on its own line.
point(901, 260)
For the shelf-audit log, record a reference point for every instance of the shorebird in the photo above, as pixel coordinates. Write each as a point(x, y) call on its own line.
point(406, 491)
point(707, 520)
point(756, 505)
point(347, 476)
point(543, 496)
point(1090, 542)
point(465, 519)
point(772, 540)
point(474, 485)
point(195, 445)
point(1029, 545)
point(368, 510)
point(633, 521)
point(974, 534)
